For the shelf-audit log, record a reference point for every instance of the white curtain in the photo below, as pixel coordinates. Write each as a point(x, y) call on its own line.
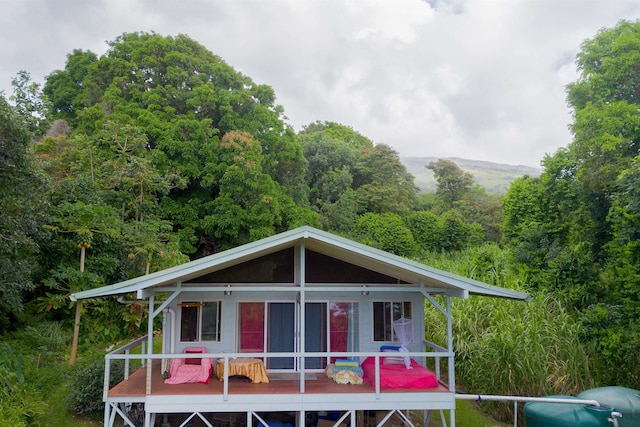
point(404, 331)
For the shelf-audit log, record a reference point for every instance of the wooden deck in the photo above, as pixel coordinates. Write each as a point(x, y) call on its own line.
point(134, 386)
point(281, 395)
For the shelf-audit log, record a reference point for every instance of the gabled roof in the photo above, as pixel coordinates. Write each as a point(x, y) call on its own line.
point(414, 273)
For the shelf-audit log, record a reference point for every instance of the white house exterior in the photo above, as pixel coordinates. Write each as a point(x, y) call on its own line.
point(296, 301)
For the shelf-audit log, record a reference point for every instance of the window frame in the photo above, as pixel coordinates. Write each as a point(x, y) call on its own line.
point(199, 305)
point(406, 309)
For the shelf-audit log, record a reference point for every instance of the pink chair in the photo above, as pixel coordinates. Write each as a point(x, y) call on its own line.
point(192, 370)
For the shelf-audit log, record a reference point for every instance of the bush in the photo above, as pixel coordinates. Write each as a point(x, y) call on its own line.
point(46, 341)
point(86, 385)
point(387, 232)
point(19, 403)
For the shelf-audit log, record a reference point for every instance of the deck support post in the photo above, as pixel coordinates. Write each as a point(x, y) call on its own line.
point(150, 342)
point(452, 373)
point(107, 407)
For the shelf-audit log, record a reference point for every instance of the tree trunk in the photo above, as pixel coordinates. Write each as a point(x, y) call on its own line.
point(76, 323)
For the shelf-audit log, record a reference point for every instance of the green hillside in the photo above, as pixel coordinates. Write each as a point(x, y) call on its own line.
point(494, 177)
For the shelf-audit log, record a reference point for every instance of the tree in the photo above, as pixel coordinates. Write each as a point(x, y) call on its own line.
point(250, 205)
point(522, 207)
point(571, 229)
point(382, 183)
point(29, 103)
point(348, 175)
point(385, 231)
point(22, 187)
point(456, 234)
point(65, 88)
point(331, 164)
point(613, 320)
point(183, 100)
point(453, 182)
point(82, 222)
point(424, 228)
point(608, 68)
point(339, 132)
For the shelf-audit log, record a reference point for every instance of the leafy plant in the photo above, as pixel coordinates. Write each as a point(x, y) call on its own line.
point(86, 385)
point(18, 402)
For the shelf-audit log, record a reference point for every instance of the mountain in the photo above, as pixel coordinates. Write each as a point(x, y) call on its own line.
point(494, 177)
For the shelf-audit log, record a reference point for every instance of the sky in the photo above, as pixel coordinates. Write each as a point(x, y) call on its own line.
point(476, 79)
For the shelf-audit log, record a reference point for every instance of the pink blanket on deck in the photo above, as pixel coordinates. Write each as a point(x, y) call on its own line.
point(396, 375)
point(194, 371)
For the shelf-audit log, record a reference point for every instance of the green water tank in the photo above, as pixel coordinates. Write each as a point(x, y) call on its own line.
point(547, 414)
point(621, 399)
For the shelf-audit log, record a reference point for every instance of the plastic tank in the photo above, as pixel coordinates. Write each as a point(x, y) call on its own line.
point(547, 414)
point(621, 399)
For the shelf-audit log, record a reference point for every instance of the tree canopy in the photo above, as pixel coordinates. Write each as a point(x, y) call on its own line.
point(452, 182)
point(178, 101)
point(571, 228)
point(23, 188)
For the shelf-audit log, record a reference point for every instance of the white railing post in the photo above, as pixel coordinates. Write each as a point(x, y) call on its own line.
point(107, 374)
point(126, 364)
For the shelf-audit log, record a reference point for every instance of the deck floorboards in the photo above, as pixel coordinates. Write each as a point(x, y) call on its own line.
point(134, 386)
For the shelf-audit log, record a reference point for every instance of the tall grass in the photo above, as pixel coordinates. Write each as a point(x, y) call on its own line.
point(509, 347)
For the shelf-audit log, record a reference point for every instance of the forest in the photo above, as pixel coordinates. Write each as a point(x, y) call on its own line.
point(159, 152)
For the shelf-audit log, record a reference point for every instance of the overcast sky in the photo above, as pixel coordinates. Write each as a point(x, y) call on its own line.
point(477, 79)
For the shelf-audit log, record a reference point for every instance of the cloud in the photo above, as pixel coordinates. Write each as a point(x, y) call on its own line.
point(447, 78)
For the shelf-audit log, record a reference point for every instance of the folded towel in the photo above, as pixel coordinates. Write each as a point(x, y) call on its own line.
point(347, 362)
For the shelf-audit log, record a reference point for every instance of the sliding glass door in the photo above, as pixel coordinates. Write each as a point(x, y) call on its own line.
point(315, 333)
point(273, 327)
point(281, 336)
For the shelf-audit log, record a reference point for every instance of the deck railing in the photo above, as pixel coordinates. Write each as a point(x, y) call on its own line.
point(129, 352)
point(613, 419)
point(126, 353)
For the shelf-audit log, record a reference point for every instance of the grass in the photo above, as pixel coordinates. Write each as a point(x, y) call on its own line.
point(468, 414)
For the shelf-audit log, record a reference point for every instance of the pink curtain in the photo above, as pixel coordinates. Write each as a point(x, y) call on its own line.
point(251, 327)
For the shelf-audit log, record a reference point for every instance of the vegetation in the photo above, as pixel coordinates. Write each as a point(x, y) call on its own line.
point(574, 230)
point(158, 152)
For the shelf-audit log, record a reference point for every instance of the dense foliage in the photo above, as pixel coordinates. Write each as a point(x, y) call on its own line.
point(509, 347)
point(574, 230)
point(158, 152)
point(22, 187)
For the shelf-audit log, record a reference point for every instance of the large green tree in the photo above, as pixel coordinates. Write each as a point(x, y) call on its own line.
point(452, 182)
point(181, 100)
point(348, 175)
point(23, 187)
point(570, 228)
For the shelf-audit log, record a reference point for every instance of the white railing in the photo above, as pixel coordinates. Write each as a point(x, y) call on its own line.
point(517, 399)
point(125, 353)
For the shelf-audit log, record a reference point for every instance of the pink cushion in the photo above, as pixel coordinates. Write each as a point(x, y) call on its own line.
point(192, 361)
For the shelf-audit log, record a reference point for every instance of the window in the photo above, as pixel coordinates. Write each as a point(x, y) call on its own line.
point(200, 321)
point(384, 314)
point(271, 327)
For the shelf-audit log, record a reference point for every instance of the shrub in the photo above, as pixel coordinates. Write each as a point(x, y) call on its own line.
point(18, 402)
point(86, 385)
point(387, 232)
point(45, 341)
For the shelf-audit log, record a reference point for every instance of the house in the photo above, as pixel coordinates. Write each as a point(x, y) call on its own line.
point(290, 306)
